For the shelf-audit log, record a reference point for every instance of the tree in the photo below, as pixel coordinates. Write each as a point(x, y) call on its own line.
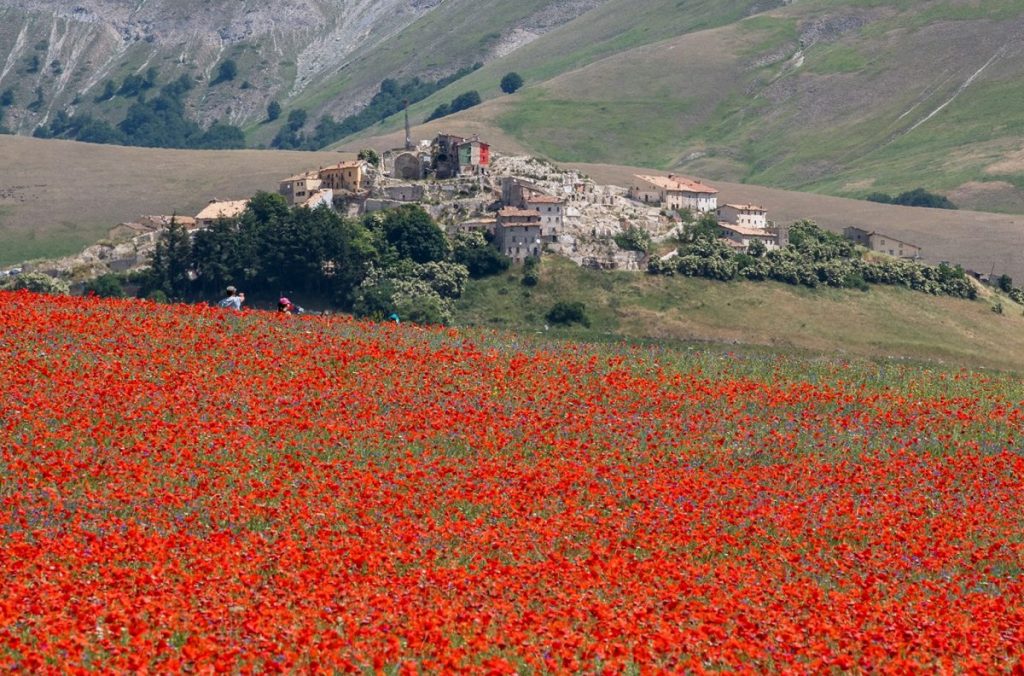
point(370, 156)
point(105, 286)
point(511, 82)
point(109, 90)
point(1004, 283)
point(410, 232)
point(465, 100)
point(7, 98)
point(227, 72)
point(171, 261)
point(478, 255)
point(273, 111)
point(220, 136)
point(441, 111)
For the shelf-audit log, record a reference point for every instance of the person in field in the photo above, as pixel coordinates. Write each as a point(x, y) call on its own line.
point(233, 300)
point(288, 307)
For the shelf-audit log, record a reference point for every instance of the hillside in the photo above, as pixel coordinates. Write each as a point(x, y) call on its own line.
point(844, 98)
point(56, 197)
point(883, 323)
point(841, 97)
point(326, 56)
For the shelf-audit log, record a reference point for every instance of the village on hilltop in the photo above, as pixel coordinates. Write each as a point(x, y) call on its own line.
point(526, 206)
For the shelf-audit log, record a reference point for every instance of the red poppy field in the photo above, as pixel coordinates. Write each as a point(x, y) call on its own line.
point(187, 489)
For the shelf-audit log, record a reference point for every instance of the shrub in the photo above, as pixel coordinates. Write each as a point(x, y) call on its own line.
point(531, 272)
point(37, 282)
point(567, 313)
point(511, 82)
point(105, 286)
point(227, 72)
point(634, 239)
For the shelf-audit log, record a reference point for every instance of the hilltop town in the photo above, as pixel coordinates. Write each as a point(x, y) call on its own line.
point(527, 207)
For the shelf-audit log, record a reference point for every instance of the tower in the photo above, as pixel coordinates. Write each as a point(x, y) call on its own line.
point(408, 130)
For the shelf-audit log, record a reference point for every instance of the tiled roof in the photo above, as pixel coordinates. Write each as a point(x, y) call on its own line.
point(301, 177)
point(678, 184)
point(513, 212)
point(543, 199)
point(746, 207)
point(228, 209)
point(349, 164)
point(745, 231)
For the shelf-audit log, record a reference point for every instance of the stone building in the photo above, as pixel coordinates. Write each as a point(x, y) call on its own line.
point(674, 192)
point(220, 209)
point(551, 214)
point(744, 235)
point(876, 241)
point(747, 215)
point(517, 233)
point(297, 189)
point(344, 176)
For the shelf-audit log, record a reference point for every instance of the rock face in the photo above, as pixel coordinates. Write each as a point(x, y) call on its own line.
point(59, 55)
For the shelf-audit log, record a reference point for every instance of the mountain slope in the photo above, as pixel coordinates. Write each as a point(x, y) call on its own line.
point(325, 55)
point(839, 97)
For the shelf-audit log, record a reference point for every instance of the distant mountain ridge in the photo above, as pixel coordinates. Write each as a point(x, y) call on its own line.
point(59, 55)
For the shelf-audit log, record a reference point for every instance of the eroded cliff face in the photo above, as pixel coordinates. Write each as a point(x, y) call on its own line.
point(58, 55)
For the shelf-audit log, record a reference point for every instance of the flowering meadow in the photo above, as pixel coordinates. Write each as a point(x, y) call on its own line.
point(188, 489)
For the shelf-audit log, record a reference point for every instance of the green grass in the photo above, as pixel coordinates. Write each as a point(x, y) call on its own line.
point(777, 317)
point(837, 59)
point(550, 124)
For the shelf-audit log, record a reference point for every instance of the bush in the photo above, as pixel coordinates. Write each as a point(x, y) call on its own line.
point(227, 72)
point(461, 102)
point(918, 197)
point(531, 272)
point(511, 82)
point(566, 313)
point(370, 156)
point(37, 282)
point(105, 286)
point(273, 111)
point(634, 239)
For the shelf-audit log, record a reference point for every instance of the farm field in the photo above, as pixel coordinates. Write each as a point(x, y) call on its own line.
point(58, 197)
point(185, 489)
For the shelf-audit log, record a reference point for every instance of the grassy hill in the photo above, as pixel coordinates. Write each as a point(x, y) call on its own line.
point(844, 98)
point(883, 323)
point(837, 97)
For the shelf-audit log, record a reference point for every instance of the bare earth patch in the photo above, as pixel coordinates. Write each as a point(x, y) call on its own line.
point(1013, 164)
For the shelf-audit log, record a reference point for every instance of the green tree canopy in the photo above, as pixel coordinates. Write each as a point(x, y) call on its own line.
point(511, 82)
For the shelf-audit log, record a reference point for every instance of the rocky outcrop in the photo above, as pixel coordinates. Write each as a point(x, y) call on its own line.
point(59, 55)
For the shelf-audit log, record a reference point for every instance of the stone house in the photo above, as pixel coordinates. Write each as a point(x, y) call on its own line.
point(474, 157)
point(319, 198)
point(220, 209)
point(344, 176)
point(297, 189)
point(458, 156)
point(514, 191)
point(551, 210)
point(742, 235)
point(747, 215)
point(876, 241)
point(517, 233)
point(675, 193)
